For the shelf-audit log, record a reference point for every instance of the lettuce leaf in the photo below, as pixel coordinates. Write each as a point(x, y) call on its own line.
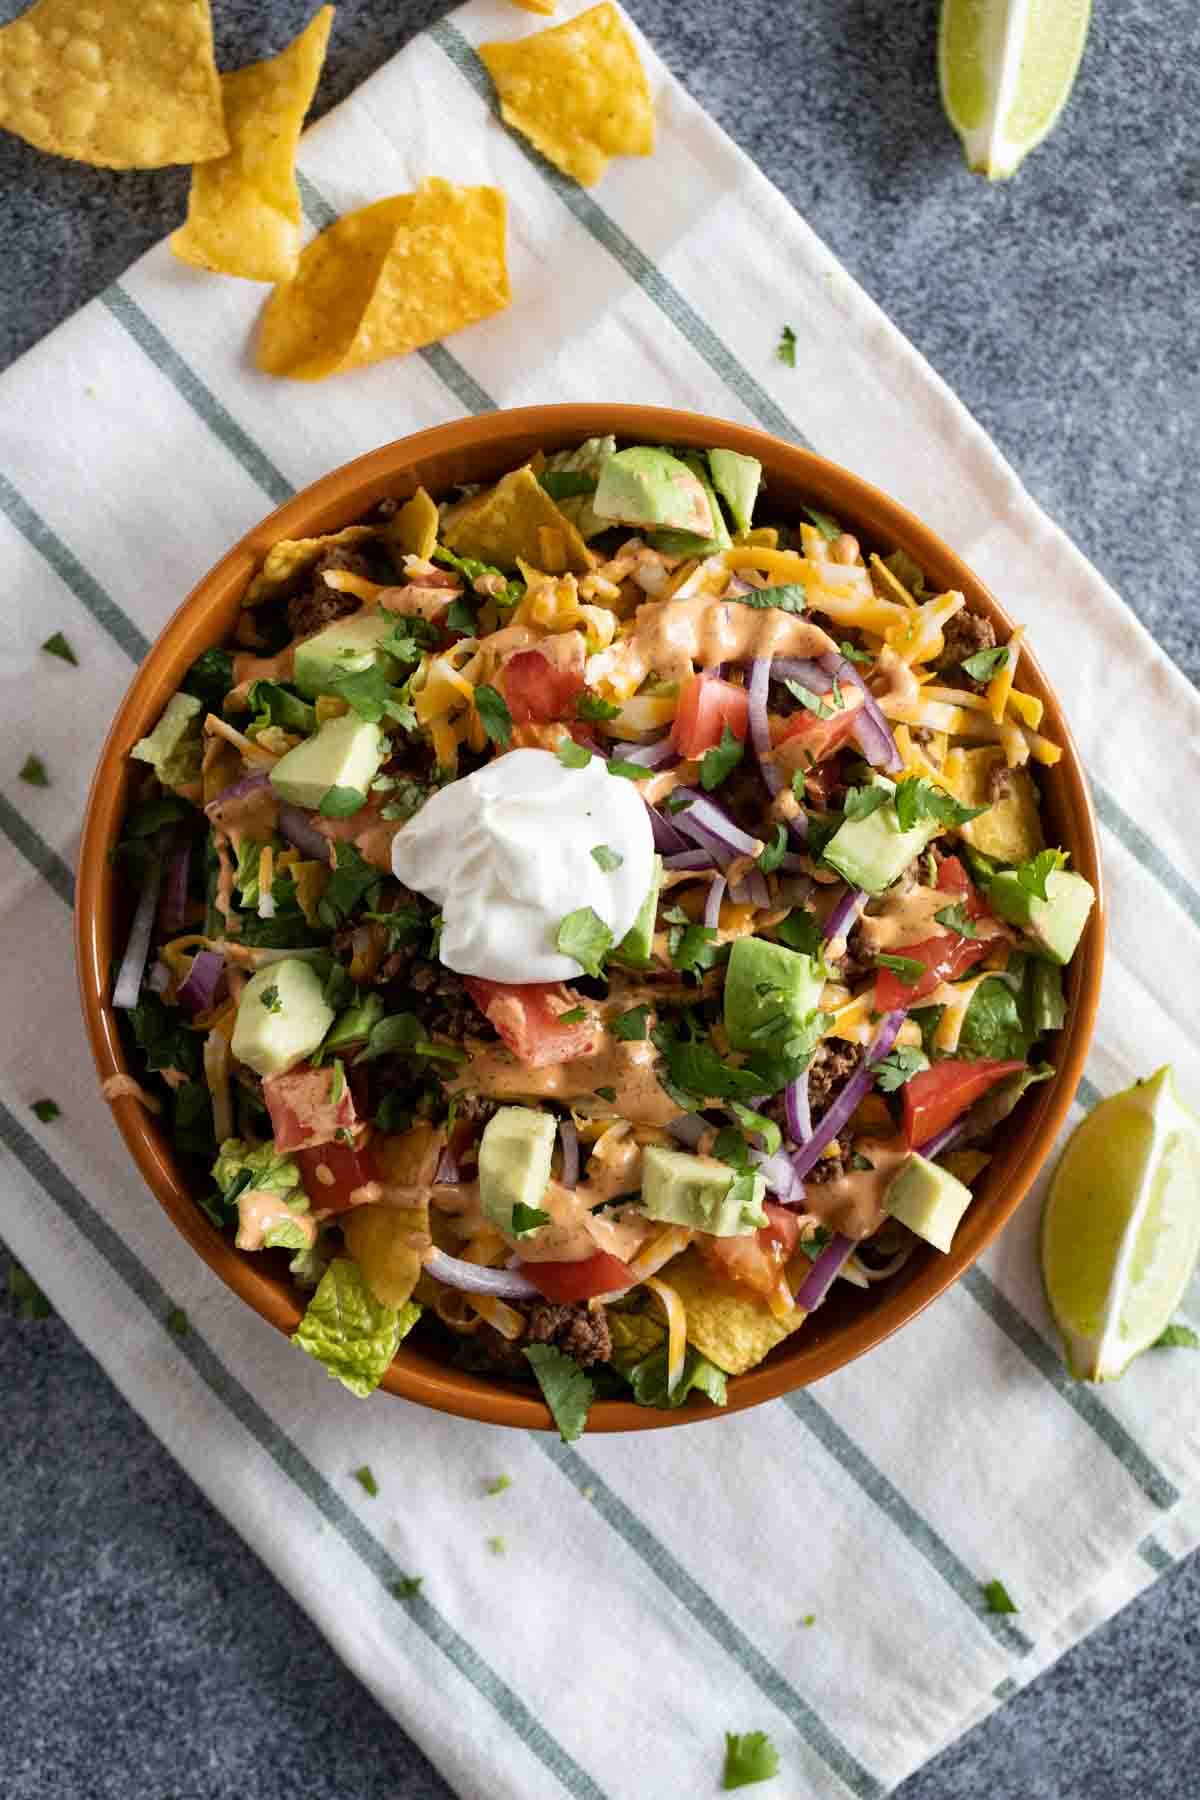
point(349, 1333)
point(648, 1379)
point(269, 1172)
point(173, 748)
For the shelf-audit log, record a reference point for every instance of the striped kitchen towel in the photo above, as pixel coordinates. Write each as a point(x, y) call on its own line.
point(812, 1569)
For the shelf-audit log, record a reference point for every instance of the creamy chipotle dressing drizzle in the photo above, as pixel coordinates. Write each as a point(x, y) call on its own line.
point(248, 669)
point(854, 1205)
point(627, 1068)
point(670, 635)
point(911, 917)
point(258, 1210)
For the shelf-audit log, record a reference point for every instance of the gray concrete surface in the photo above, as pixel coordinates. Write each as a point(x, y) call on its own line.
point(144, 1652)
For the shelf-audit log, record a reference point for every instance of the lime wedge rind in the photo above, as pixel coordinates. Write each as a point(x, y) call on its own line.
point(1006, 69)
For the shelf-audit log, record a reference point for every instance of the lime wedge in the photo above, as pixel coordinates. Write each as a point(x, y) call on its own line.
point(1121, 1227)
point(1006, 68)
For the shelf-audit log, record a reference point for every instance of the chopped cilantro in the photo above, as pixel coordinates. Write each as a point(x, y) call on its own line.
point(494, 715)
point(606, 1093)
point(367, 1480)
point(341, 802)
point(694, 948)
point(772, 854)
point(575, 1016)
point(789, 597)
point(58, 646)
point(408, 638)
point(809, 1619)
point(606, 859)
point(496, 1544)
point(861, 802)
point(567, 1391)
point(985, 663)
point(918, 799)
point(721, 761)
point(33, 770)
point(800, 931)
point(729, 1146)
point(177, 1321)
point(630, 770)
point(860, 1162)
point(337, 1081)
point(499, 1484)
point(572, 755)
point(350, 883)
point(811, 702)
point(369, 693)
point(1032, 875)
point(818, 1239)
point(824, 522)
point(564, 484)
point(408, 1587)
point(591, 706)
point(749, 1758)
point(956, 918)
point(46, 1110)
point(461, 615)
point(852, 655)
point(1177, 1337)
point(998, 1598)
point(757, 1122)
point(405, 795)
point(677, 803)
point(696, 1070)
point(527, 1218)
point(270, 999)
point(27, 1298)
point(585, 937)
point(785, 349)
point(909, 968)
point(903, 1063)
point(209, 679)
point(631, 1026)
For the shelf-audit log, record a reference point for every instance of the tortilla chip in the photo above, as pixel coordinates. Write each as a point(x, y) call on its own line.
point(733, 1332)
point(113, 84)
point(515, 521)
point(578, 92)
point(387, 279)
point(288, 562)
point(1011, 829)
point(414, 530)
point(545, 7)
point(383, 1240)
point(244, 208)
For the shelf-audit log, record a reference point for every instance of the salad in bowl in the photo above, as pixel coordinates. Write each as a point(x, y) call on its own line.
point(582, 917)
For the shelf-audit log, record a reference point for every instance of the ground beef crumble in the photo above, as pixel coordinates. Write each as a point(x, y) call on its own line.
point(964, 634)
point(319, 605)
point(577, 1330)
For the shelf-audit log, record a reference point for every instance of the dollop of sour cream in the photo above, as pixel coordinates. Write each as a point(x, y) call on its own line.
point(507, 853)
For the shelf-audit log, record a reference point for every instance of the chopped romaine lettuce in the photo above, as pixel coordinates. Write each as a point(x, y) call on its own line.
point(173, 748)
point(349, 1333)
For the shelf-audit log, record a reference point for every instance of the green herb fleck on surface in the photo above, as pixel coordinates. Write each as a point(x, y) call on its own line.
point(27, 1298)
point(1032, 875)
point(721, 761)
point(572, 755)
point(366, 1480)
point(985, 663)
point(499, 1484)
point(956, 918)
point(177, 1321)
point(811, 702)
point(496, 1546)
point(46, 1110)
point(270, 999)
point(909, 968)
point(33, 770)
point(772, 854)
point(575, 1016)
point(337, 1081)
point(852, 655)
point(632, 1026)
point(861, 802)
point(341, 802)
point(918, 799)
point(606, 859)
point(591, 706)
point(606, 1093)
point(408, 1587)
point(630, 770)
point(903, 1063)
point(1177, 1337)
point(585, 937)
point(785, 349)
point(998, 1598)
point(527, 1218)
point(58, 646)
point(800, 931)
point(749, 1757)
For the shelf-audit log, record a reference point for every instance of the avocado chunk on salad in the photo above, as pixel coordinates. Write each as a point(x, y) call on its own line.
point(566, 925)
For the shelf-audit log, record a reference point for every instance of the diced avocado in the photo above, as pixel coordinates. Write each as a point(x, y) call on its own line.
point(1011, 828)
point(173, 747)
point(346, 647)
point(736, 478)
point(345, 753)
point(929, 1200)
point(1047, 1006)
point(587, 460)
point(1054, 925)
point(873, 852)
point(635, 946)
point(514, 1161)
point(282, 1016)
point(355, 1025)
point(649, 487)
point(681, 1189)
point(690, 543)
point(763, 983)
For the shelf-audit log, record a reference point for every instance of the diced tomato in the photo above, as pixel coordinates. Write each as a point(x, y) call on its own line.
point(706, 705)
point(952, 878)
point(303, 1110)
point(537, 690)
point(810, 739)
point(783, 1229)
point(935, 1098)
point(528, 1017)
point(332, 1173)
point(567, 1281)
point(754, 1259)
point(945, 957)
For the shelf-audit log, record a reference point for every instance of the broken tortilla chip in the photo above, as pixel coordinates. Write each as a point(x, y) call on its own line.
point(288, 562)
point(577, 91)
point(112, 84)
point(244, 208)
point(387, 279)
point(733, 1332)
point(516, 520)
point(414, 529)
point(545, 7)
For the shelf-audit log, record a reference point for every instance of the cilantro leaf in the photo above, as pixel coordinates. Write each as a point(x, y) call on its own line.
point(730, 1147)
point(499, 1484)
point(825, 523)
point(527, 1218)
point(694, 948)
point(956, 918)
point(1032, 875)
point(27, 1298)
point(605, 1093)
point(630, 770)
point(758, 1122)
point(408, 638)
point(408, 1587)
point(584, 936)
point(591, 706)
point(352, 881)
point(572, 755)
point(564, 484)
point(575, 1016)
point(985, 663)
point(461, 615)
point(341, 802)
point(995, 1025)
point(337, 1081)
point(58, 646)
point(33, 770)
point(721, 761)
point(274, 704)
point(1177, 1337)
point(567, 1391)
point(918, 799)
point(909, 968)
point(494, 715)
point(861, 802)
point(998, 1598)
point(785, 349)
point(631, 1026)
point(177, 1321)
point(209, 679)
point(406, 795)
point(800, 931)
point(811, 702)
point(47, 1110)
point(368, 1481)
point(903, 1063)
point(270, 999)
point(789, 597)
point(818, 1239)
point(696, 1070)
point(606, 859)
point(852, 655)
point(749, 1758)
point(370, 694)
point(773, 853)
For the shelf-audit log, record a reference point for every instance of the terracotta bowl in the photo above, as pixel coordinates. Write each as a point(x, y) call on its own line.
point(477, 449)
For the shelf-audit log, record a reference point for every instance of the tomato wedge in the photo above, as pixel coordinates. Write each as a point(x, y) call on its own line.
point(937, 1096)
point(583, 1280)
point(809, 739)
point(528, 1017)
point(345, 1168)
point(706, 705)
point(755, 1258)
point(945, 957)
point(537, 691)
point(952, 878)
point(303, 1110)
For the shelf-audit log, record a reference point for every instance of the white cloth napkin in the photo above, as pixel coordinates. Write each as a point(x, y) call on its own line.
point(654, 1591)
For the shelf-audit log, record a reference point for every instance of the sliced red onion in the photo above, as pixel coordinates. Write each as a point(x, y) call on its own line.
point(753, 891)
point(858, 1084)
point(568, 1137)
point(174, 901)
point(780, 1176)
point(872, 732)
point(241, 790)
point(793, 863)
point(295, 827)
point(689, 1128)
point(842, 917)
point(129, 979)
point(668, 839)
point(447, 1171)
point(661, 755)
point(811, 675)
point(708, 825)
point(159, 978)
point(942, 1140)
point(799, 1112)
point(824, 1272)
point(689, 859)
point(712, 906)
point(473, 1278)
point(199, 991)
point(761, 671)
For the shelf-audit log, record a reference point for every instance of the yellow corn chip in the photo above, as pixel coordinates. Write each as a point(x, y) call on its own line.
point(514, 520)
point(578, 92)
point(387, 279)
point(545, 7)
point(287, 562)
point(1011, 829)
point(118, 85)
point(733, 1332)
point(413, 531)
point(244, 208)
